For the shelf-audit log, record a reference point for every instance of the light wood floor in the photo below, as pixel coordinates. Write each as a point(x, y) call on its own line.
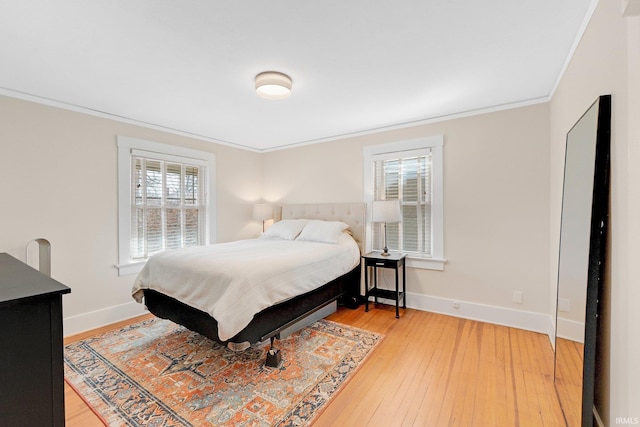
point(569, 379)
point(431, 370)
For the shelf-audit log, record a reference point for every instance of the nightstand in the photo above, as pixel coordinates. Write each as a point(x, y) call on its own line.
point(395, 261)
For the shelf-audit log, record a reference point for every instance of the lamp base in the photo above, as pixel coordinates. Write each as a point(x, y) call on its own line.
point(385, 251)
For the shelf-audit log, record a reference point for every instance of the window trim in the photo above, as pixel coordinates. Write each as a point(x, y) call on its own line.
point(435, 143)
point(127, 146)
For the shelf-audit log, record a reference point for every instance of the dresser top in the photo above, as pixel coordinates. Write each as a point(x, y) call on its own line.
point(18, 280)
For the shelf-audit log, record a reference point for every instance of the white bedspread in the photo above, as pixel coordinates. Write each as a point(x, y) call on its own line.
point(236, 280)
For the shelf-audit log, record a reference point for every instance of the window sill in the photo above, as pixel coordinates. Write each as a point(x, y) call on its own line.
point(426, 263)
point(130, 268)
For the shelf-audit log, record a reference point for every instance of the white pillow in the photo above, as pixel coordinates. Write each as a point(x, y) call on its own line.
point(322, 231)
point(286, 229)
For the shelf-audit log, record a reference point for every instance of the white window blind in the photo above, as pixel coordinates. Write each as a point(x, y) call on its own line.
point(168, 208)
point(407, 178)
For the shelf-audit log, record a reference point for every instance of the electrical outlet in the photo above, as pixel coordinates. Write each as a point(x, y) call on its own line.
point(517, 297)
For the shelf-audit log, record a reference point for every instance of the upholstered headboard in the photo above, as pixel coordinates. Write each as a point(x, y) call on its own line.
point(349, 213)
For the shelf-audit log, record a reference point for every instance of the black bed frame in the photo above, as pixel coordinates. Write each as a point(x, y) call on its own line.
point(269, 322)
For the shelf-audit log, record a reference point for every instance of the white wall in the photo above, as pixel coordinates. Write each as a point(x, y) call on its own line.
point(607, 62)
point(58, 177)
point(495, 204)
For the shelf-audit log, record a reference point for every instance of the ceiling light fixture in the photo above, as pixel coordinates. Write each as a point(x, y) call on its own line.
point(273, 85)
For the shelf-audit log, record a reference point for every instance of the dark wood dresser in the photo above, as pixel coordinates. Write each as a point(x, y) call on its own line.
point(31, 349)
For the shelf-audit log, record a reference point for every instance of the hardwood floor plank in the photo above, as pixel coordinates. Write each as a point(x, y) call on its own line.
point(429, 370)
point(431, 404)
point(77, 413)
point(407, 410)
point(570, 359)
point(406, 362)
point(506, 413)
point(487, 378)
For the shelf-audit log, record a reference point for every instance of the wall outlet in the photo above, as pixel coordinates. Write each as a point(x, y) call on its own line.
point(456, 305)
point(517, 297)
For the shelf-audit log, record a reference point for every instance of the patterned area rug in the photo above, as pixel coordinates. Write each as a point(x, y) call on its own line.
point(156, 373)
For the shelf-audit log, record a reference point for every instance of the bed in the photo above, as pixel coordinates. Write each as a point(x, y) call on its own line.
point(340, 281)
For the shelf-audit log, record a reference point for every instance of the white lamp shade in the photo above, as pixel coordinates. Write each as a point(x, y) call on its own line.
point(386, 211)
point(262, 211)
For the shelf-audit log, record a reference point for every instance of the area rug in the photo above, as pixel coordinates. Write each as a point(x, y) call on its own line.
point(156, 373)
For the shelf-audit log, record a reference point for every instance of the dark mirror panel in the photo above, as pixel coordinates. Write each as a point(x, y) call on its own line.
point(581, 260)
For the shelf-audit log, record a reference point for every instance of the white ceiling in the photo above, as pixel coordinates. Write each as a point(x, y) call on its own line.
point(357, 66)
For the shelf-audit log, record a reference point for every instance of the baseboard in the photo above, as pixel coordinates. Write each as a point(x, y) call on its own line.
point(95, 319)
point(571, 330)
point(527, 320)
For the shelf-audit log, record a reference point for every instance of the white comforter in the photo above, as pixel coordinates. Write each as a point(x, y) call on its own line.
point(234, 281)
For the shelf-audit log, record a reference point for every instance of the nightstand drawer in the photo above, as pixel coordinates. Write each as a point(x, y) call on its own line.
point(381, 263)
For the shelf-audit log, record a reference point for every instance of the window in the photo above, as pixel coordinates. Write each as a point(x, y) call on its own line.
point(167, 210)
point(164, 200)
point(411, 172)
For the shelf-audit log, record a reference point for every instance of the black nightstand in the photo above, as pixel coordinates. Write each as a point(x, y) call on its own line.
point(376, 260)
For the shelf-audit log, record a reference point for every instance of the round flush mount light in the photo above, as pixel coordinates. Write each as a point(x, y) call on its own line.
point(273, 85)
